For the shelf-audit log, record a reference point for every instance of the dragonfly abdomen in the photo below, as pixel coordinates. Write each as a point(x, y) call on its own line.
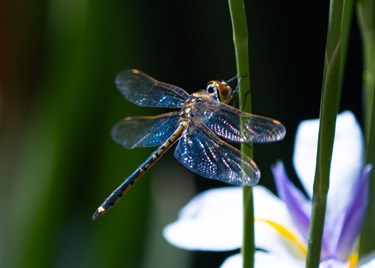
point(115, 196)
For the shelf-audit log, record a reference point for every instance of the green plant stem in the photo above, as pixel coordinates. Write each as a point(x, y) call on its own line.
point(240, 39)
point(335, 54)
point(366, 21)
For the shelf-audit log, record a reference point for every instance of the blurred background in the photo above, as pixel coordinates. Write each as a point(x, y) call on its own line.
point(58, 103)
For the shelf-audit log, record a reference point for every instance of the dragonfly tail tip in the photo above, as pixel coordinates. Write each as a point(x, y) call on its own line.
point(100, 211)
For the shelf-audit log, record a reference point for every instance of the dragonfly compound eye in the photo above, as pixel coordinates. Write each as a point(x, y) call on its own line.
point(225, 91)
point(213, 89)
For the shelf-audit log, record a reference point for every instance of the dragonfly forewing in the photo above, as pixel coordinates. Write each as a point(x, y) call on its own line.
point(260, 129)
point(226, 122)
point(143, 90)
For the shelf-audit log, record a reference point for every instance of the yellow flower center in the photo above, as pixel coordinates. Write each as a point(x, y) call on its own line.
point(284, 232)
point(353, 260)
point(300, 245)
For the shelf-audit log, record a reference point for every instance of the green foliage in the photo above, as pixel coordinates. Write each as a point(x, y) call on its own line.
point(240, 40)
point(333, 75)
point(366, 21)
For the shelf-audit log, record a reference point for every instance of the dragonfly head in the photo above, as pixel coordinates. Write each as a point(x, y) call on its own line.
point(219, 90)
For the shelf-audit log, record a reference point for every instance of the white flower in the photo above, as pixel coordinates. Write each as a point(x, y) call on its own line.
point(212, 220)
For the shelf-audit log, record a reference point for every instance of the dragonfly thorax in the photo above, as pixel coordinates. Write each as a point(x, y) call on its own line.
point(197, 99)
point(188, 108)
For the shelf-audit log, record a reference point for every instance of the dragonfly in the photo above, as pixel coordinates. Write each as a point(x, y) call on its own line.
point(200, 124)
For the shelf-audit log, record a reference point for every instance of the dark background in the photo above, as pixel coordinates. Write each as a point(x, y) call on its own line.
point(58, 102)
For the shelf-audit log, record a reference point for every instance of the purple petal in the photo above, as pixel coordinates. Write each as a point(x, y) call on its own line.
point(333, 263)
point(298, 205)
point(346, 228)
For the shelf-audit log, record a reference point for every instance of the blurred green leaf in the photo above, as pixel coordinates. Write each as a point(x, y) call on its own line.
point(333, 75)
point(366, 21)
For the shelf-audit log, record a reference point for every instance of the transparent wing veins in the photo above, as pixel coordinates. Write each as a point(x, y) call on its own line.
point(143, 90)
point(225, 121)
point(202, 152)
point(144, 131)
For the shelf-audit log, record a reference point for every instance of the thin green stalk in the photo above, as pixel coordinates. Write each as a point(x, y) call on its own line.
point(337, 38)
point(240, 39)
point(366, 21)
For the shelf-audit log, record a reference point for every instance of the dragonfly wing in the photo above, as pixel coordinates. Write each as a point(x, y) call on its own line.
point(261, 129)
point(225, 121)
point(143, 90)
point(144, 131)
point(202, 152)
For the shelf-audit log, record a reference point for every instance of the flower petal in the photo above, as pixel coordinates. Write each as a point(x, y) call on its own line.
point(212, 220)
point(299, 207)
point(346, 158)
point(233, 261)
point(269, 206)
point(333, 263)
point(277, 239)
point(368, 261)
point(369, 264)
point(263, 260)
point(270, 209)
point(349, 225)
